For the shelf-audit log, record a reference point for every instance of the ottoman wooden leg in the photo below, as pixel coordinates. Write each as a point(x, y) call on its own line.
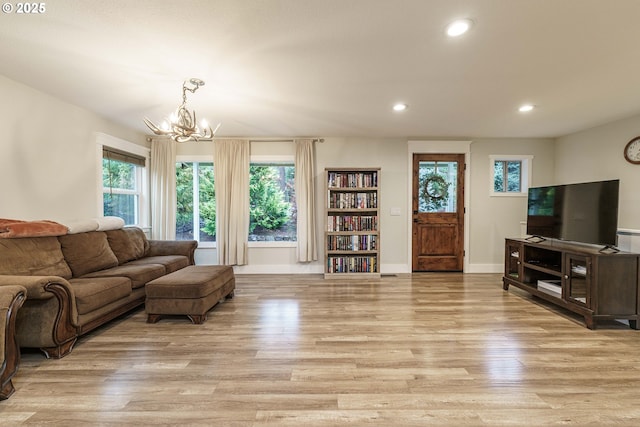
point(153, 318)
point(197, 319)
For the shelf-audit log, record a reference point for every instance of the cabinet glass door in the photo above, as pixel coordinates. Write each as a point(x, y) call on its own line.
point(577, 279)
point(513, 260)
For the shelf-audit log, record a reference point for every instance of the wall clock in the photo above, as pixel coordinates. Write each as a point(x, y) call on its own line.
point(632, 151)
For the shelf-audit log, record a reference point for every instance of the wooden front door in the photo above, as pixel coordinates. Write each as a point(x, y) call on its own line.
point(438, 212)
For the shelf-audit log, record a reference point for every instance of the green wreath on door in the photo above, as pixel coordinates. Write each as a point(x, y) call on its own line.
point(435, 191)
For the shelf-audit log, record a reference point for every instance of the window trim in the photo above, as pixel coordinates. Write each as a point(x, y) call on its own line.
point(285, 159)
point(103, 140)
point(525, 176)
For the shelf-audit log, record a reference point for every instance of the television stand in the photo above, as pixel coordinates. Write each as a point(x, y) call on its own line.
point(609, 249)
point(594, 284)
point(535, 239)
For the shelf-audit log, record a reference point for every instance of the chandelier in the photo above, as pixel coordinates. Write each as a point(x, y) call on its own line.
point(181, 126)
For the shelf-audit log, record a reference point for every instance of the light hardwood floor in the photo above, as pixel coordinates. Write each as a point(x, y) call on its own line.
point(415, 350)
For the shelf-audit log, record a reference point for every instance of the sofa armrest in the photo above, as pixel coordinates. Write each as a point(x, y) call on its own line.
point(173, 247)
point(49, 318)
point(35, 285)
point(11, 299)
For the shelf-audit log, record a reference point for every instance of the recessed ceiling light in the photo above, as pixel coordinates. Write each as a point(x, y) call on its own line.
point(525, 108)
point(459, 27)
point(400, 107)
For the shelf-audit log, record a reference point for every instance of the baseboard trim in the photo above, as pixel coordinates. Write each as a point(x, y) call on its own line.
point(485, 268)
point(318, 268)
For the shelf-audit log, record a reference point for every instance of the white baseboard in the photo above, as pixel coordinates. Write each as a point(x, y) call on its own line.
point(206, 256)
point(485, 268)
point(395, 269)
point(279, 269)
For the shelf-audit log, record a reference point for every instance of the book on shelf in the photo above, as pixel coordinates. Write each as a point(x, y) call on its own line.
point(554, 286)
point(352, 264)
point(362, 242)
point(352, 223)
point(350, 200)
point(353, 179)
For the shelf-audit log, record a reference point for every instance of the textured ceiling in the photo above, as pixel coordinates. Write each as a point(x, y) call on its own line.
point(335, 67)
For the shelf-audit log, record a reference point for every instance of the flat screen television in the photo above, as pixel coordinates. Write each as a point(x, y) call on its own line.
point(585, 212)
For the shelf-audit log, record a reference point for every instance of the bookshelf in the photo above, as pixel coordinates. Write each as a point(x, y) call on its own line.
point(352, 223)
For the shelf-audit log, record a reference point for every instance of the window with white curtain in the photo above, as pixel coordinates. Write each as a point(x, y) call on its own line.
point(272, 201)
point(122, 185)
point(196, 202)
point(272, 204)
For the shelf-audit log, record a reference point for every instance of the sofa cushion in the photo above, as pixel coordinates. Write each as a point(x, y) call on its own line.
point(33, 256)
point(171, 262)
point(139, 274)
point(94, 293)
point(87, 252)
point(127, 243)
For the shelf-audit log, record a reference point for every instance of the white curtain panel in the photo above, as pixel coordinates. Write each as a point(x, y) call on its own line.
point(163, 189)
point(231, 174)
point(305, 198)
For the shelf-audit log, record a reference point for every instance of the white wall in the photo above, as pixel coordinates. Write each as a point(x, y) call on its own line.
point(48, 168)
point(495, 218)
point(596, 154)
point(491, 218)
point(48, 155)
point(389, 154)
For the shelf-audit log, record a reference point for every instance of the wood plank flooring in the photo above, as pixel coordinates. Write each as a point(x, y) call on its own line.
point(296, 350)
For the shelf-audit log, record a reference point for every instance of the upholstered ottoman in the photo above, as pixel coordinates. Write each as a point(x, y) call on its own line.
point(192, 291)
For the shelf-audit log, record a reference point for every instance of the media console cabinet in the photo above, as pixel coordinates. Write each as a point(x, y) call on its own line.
point(576, 277)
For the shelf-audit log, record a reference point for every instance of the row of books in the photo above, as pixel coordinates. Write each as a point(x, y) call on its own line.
point(339, 200)
point(553, 286)
point(352, 264)
point(352, 222)
point(352, 179)
point(364, 242)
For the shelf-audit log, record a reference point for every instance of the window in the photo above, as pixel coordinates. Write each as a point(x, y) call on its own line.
point(122, 185)
point(507, 176)
point(510, 175)
point(272, 203)
point(438, 182)
point(196, 202)
point(272, 208)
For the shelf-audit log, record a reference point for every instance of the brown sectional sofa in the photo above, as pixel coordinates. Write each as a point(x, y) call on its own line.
point(77, 282)
point(11, 299)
